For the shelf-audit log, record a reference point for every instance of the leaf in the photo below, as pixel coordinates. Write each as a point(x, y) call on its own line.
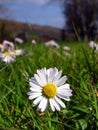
point(81, 108)
point(81, 124)
point(74, 116)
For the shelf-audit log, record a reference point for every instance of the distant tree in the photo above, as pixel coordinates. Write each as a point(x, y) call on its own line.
point(3, 12)
point(82, 17)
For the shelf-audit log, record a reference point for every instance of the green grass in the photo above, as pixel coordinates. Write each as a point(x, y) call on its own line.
point(81, 68)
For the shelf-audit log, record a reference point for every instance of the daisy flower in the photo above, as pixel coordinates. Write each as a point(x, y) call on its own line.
point(92, 44)
point(17, 52)
point(33, 42)
point(19, 40)
point(7, 57)
point(8, 45)
point(48, 87)
point(66, 48)
point(52, 43)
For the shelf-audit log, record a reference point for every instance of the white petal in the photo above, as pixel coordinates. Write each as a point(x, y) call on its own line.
point(34, 85)
point(33, 80)
point(8, 59)
point(37, 100)
point(56, 105)
point(42, 76)
point(65, 92)
point(64, 97)
point(57, 76)
point(38, 79)
point(61, 81)
point(51, 74)
point(64, 87)
point(51, 105)
point(60, 102)
point(33, 95)
point(35, 89)
point(43, 104)
point(29, 93)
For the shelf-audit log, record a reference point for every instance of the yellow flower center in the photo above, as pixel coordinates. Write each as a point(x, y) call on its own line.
point(7, 53)
point(49, 90)
point(15, 52)
point(1, 45)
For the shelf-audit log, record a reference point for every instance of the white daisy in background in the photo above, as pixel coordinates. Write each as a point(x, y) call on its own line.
point(8, 45)
point(17, 52)
point(48, 87)
point(33, 42)
point(66, 48)
point(92, 44)
point(52, 43)
point(19, 40)
point(66, 51)
point(7, 57)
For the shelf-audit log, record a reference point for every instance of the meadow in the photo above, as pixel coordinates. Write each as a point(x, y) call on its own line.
point(81, 67)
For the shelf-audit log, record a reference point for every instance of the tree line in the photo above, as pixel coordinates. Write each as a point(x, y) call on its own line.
point(82, 17)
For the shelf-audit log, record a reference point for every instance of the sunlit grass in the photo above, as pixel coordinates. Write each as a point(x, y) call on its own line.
point(81, 68)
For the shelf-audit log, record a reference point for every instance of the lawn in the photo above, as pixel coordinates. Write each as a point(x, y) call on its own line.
point(81, 67)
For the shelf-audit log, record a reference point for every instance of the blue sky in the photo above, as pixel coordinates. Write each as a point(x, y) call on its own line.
point(36, 12)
